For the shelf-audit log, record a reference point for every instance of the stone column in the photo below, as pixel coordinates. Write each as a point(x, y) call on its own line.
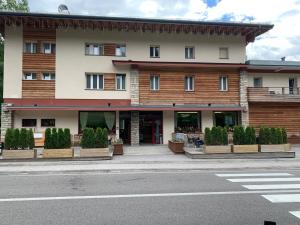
point(117, 124)
point(6, 119)
point(134, 87)
point(244, 98)
point(135, 126)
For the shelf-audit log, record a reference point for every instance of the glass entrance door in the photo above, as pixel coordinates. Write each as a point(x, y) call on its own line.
point(151, 128)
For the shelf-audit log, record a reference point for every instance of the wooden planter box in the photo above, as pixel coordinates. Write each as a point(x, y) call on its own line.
point(244, 148)
point(176, 147)
point(211, 149)
point(19, 154)
point(273, 148)
point(287, 147)
point(94, 152)
point(118, 149)
point(58, 153)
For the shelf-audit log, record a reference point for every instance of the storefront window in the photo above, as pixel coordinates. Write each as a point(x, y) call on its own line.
point(97, 119)
point(226, 119)
point(187, 122)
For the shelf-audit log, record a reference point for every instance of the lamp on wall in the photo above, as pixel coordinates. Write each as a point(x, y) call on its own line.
point(174, 104)
point(209, 104)
point(109, 104)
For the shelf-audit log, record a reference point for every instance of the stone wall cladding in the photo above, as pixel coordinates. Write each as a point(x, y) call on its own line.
point(135, 126)
point(244, 98)
point(6, 120)
point(134, 87)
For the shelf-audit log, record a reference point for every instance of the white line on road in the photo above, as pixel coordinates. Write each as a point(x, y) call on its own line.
point(264, 179)
point(252, 174)
point(283, 198)
point(143, 195)
point(295, 213)
point(272, 186)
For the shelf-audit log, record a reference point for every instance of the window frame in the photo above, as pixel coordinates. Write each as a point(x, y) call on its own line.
point(31, 74)
point(100, 49)
point(261, 82)
point(120, 46)
point(43, 119)
point(154, 77)
point(224, 49)
point(180, 129)
point(92, 80)
point(186, 50)
point(32, 43)
point(221, 83)
point(52, 49)
point(152, 50)
point(123, 82)
point(29, 119)
point(187, 83)
point(51, 74)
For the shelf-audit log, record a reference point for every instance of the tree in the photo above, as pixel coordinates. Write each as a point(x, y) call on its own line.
point(48, 139)
point(30, 139)
point(284, 136)
point(224, 136)
point(60, 138)
point(23, 138)
point(88, 138)
point(54, 138)
point(8, 142)
point(67, 136)
point(16, 139)
point(104, 138)
point(98, 137)
point(207, 136)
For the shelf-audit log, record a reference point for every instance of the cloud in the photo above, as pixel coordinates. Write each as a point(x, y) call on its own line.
point(282, 40)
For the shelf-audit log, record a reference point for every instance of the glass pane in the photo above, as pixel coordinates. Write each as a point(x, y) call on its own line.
point(186, 83)
point(53, 76)
point(191, 81)
point(28, 122)
point(96, 50)
point(95, 77)
point(28, 47)
point(186, 53)
point(47, 48)
point(88, 81)
point(100, 81)
point(47, 76)
point(152, 82)
point(157, 52)
point(47, 122)
point(53, 48)
point(223, 119)
point(151, 52)
point(123, 82)
point(34, 47)
point(87, 49)
point(188, 122)
point(156, 83)
point(118, 82)
point(98, 119)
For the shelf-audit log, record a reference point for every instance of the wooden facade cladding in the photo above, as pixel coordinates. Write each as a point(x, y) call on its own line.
point(109, 81)
point(172, 90)
point(38, 62)
point(285, 115)
point(109, 49)
point(38, 89)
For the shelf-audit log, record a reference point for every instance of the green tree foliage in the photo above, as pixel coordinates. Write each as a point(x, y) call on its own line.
point(207, 136)
point(104, 138)
point(8, 141)
point(98, 137)
point(279, 136)
point(88, 138)
point(284, 136)
point(238, 135)
point(250, 137)
point(16, 139)
point(224, 136)
point(60, 138)
point(14, 5)
point(48, 139)
point(30, 139)
point(273, 139)
point(67, 137)
point(54, 137)
point(23, 138)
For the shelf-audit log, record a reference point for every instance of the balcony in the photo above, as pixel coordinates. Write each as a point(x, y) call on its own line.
point(273, 94)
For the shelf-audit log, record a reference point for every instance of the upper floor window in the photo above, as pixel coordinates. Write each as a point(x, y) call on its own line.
point(223, 53)
point(189, 83)
point(257, 82)
point(94, 81)
point(223, 83)
point(48, 48)
point(93, 49)
point(47, 122)
point(154, 51)
point(28, 122)
point(120, 50)
point(29, 76)
point(121, 80)
point(48, 76)
point(30, 47)
point(154, 82)
point(189, 52)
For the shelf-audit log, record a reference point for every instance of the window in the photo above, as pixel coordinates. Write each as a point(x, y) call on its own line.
point(187, 121)
point(28, 122)
point(29, 76)
point(154, 82)
point(30, 47)
point(97, 119)
point(154, 51)
point(257, 82)
point(48, 76)
point(94, 49)
point(47, 122)
point(223, 83)
point(189, 52)
point(189, 83)
point(226, 119)
point(121, 50)
point(223, 53)
point(121, 80)
point(94, 81)
point(48, 48)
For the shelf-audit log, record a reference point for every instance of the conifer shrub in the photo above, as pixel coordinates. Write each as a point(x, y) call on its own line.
point(250, 136)
point(16, 139)
point(8, 141)
point(284, 136)
point(207, 136)
point(238, 135)
point(224, 136)
point(30, 139)
point(273, 136)
point(88, 138)
point(279, 135)
point(67, 138)
point(98, 137)
point(60, 139)
point(48, 139)
point(23, 139)
point(104, 138)
point(54, 138)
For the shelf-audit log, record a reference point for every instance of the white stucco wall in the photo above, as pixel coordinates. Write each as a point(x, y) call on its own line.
point(168, 126)
point(63, 119)
point(207, 119)
point(13, 53)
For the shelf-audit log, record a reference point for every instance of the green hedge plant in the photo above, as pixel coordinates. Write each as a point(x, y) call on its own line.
point(30, 139)
point(284, 136)
point(16, 143)
point(104, 138)
point(48, 139)
point(8, 141)
point(207, 136)
point(60, 139)
point(88, 138)
point(54, 138)
point(23, 139)
point(98, 137)
point(238, 135)
point(67, 138)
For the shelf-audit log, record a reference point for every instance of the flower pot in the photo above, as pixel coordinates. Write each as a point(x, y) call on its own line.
point(94, 152)
point(19, 154)
point(273, 148)
point(244, 148)
point(118, 149)
point(176, 147)
point(212, 149)
point(58, 153)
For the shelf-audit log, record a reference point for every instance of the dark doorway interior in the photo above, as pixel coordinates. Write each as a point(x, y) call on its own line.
point(125, 127)
point(151, 128)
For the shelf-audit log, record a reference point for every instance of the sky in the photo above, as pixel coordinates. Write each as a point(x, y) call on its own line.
point(282, 40)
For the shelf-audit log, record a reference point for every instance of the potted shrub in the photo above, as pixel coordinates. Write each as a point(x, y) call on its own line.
point(57, 144)
point(244, 140)
point(272, 139)
point(94, 143)
point(176, 145)
point(117, 146)
point(216, 140)
point(18, 144)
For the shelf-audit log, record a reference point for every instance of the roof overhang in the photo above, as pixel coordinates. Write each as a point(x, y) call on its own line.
point(50, 21)
point(273, 69)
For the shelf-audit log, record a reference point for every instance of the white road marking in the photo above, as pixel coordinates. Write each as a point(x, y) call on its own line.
point(252, 174)
point(283, 198)
point(295, 213)
point(283, 179)
point(272, 186)
point(144, 195)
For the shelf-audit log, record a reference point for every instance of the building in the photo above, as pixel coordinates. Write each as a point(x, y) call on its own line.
point(143, 79)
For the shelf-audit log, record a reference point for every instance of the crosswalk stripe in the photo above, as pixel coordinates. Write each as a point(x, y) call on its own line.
point(295, 213)
point(272, 186)
point(282, 198)
point(264, 179)
point(252, 174)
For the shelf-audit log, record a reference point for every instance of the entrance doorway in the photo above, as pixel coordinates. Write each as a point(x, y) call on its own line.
point(151, 127)
point(125, 127)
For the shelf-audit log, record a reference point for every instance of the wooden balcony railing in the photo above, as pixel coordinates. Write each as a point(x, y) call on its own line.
point(273, 94)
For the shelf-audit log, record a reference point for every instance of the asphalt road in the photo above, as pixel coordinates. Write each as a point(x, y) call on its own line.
point(189, 197)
